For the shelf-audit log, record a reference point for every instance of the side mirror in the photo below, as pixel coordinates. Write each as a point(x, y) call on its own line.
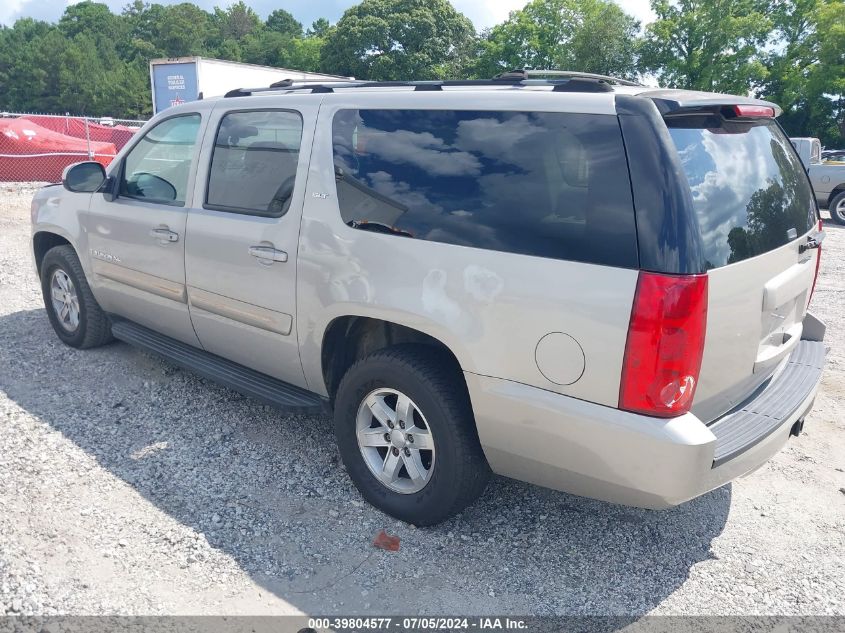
point(85, 177)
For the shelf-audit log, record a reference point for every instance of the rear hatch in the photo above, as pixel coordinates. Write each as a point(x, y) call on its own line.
point(756, 215)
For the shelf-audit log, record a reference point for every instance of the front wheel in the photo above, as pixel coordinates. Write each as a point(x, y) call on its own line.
point(74, 314)
point(837, 208)
point(406, 434)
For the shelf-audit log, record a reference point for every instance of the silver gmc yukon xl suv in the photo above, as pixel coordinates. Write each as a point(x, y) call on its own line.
point(572, 280)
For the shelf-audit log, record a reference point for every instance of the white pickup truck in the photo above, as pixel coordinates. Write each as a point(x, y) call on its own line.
point(827, 177)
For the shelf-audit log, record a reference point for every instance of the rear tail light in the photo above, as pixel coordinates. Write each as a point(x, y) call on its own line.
point(665, 344)
point(754, 111)
point(818, 264)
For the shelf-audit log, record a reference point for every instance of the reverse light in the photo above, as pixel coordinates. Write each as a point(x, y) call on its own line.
point(754, 111)
point(665, 344)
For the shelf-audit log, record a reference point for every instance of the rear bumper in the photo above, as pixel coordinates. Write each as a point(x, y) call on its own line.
point(778, 401)
point(601, 452)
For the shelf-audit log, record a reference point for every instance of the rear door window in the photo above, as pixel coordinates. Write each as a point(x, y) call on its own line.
point(253, 166)
point(749, 189)
point(536, 183)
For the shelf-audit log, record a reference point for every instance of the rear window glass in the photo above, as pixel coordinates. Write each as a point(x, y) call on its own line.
point(546, 184)
point(749, 189)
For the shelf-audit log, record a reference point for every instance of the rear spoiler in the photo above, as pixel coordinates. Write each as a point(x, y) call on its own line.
point(672, 101)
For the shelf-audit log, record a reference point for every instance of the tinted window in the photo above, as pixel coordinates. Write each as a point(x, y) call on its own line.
point(157, 168)
point(253, 166)
point(749, 189)
point(546, 184)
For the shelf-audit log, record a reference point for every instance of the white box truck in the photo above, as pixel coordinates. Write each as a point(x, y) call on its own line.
point(182, 79)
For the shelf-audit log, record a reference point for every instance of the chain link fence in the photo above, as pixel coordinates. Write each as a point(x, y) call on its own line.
point(38, 147)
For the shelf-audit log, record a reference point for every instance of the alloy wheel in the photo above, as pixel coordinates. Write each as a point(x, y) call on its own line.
point(65, 300)
point(839, 210)
point(395, 441)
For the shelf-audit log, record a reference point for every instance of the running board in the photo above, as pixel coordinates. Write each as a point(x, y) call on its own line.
point(249, 382)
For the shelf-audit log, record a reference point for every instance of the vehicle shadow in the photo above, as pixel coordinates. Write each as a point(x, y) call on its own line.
point(268, 491)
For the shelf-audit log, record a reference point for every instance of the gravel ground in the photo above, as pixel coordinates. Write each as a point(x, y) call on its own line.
point(128, 486)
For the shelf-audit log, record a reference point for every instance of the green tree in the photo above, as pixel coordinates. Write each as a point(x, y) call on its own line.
point(183, 29)
point(789, 51)
point(142, 23)
point(283, 22)
point(319, 28)
point(155, 30)
point(82, 76)
point(806, 68)
point(27, 68)
point(73, 66)
point(305, 54)
point(707, 44)
point(90, 18)
point(399, 39)
point(826, 78)
point(584, 35)
point(237, 21)
point(270, 48)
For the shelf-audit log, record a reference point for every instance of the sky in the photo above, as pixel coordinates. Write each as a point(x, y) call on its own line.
point(483, 13)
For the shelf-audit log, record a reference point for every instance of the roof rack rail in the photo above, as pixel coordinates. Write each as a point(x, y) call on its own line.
point(528, 73)
point(560, 80)
point(571, 82)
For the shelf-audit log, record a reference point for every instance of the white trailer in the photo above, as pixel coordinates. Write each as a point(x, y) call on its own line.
point(182, 79)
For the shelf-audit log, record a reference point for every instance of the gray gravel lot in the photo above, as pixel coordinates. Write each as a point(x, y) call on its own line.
point(128, 486)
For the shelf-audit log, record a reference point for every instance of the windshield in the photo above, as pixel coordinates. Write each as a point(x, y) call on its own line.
point(749, 189)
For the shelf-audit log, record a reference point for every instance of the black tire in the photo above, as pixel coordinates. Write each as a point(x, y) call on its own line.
point(837, 208)
point(436, 386)
point(94, 328)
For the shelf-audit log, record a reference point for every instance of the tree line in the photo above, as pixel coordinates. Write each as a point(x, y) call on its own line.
point(95, 62)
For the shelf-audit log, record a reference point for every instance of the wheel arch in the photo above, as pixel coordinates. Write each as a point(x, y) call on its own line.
point(43, 241)
point(349, 338)
point(840, 188)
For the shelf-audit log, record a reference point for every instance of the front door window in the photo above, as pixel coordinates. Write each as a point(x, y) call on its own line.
point(157, 168)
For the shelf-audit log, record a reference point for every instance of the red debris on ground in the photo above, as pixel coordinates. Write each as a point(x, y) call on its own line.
point(386, 542)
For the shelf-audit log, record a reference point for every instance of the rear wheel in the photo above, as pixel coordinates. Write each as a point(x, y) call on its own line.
point(74, 314)
point(837, 208)
point(407, 436)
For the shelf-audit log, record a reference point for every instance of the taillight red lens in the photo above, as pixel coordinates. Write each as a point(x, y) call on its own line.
point(665, 344)
point(754, 111)
point(818, 264)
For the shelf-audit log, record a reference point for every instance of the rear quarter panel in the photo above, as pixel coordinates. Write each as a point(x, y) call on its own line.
point(490, 308)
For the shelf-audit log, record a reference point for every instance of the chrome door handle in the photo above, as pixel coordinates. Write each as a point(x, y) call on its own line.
point(268, 253)
point(165, 235)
